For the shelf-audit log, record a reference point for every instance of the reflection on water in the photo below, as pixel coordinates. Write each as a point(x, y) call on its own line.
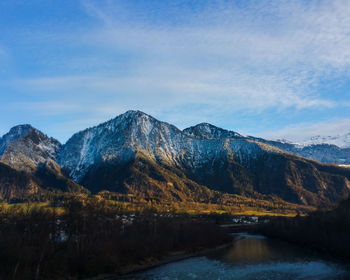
point(254, 249)
point(253, 257)
point(249, 250)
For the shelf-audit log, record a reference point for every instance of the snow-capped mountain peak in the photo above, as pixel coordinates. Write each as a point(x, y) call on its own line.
point(121, 138)
point(209, 131)
point(24, 147)
point(15, 133)
point(116, 139)
point(341, 140)
point(147, 153)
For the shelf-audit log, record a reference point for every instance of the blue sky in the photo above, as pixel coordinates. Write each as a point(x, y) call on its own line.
point(266, 68)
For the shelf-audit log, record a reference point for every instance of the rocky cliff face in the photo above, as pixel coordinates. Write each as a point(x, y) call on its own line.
point(325, 151)
point(24, 147)
point(136, 153)
point(134, 132)
point(209, 131)
point(28, 165)
point(221, 160)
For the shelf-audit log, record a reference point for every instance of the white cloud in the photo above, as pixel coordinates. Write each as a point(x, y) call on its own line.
point(169, 88)
point(218, 58)
point(312, 35)
point(268, 55)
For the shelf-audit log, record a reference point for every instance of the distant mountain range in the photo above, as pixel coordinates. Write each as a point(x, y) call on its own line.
point(138, 154)
point(341, 140)
point(317, 150)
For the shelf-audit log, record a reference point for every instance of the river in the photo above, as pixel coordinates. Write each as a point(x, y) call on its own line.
point(251, 257)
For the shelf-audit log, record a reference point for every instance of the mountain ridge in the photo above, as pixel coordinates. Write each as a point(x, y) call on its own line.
point(326, 153)
point(340, 140)
point(135, 150)
point(24, 147)
point(234, 164)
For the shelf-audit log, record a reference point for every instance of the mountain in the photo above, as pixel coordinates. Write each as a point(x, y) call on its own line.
point(341, 140)
point(24, 148)
point(137, 153)
point(322, 152)
point(50, 177)
point(28, 167)
point(208, 131)
point(132, 153)
point(326, 153)
point(16, 184)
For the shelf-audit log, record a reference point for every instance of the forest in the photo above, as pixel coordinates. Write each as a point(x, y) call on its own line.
point(79, 238)
point(325, 231)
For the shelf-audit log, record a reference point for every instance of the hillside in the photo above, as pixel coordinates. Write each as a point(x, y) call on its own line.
point(136, 154)
point(107, 157)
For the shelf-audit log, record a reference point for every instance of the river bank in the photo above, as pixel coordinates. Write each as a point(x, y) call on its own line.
point(171, 258)
point(91, 239)
point(326, 232)
point(254, 257)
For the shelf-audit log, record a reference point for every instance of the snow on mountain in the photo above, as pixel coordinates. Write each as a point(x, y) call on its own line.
point(14, 133)
point(209, 131)
point(341, 140)
point(204, 155)
point(218, 159)
point(135, 132)
point(24, 147)
point(326, 153)
point(120, 139)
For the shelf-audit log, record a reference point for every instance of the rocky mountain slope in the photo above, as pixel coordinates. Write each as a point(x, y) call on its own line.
point(323, 152)
point(217, 159)
point(25, 147)
point(326, 153)
point(137, 154)
point(28, 167)
point(341, 140)
point(16, 184)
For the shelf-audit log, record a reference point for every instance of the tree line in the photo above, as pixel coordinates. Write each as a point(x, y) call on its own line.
point(80, 238)
point(325, 231)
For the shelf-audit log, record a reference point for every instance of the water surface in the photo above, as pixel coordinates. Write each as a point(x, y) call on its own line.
point(253, 257)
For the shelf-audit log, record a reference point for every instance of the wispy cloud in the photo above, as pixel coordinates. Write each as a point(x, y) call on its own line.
point(218, 57)
point(271, 55)
point(311, 36)
point(175, 87)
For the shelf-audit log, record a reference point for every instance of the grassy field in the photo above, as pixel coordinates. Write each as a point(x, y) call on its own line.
point(191, 208)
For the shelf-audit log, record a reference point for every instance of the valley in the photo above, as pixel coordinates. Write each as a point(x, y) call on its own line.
point(135, 192)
